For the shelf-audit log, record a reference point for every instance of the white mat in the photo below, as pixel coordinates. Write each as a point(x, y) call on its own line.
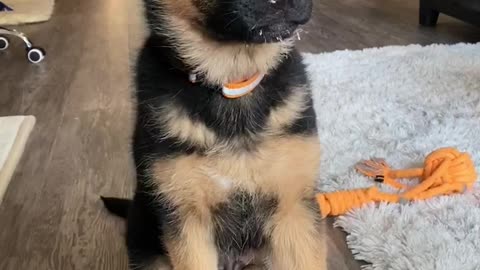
point(401, 103)
point(26, 11)
point(14, 133)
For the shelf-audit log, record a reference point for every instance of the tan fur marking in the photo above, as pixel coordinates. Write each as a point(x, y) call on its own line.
point(297, 243)
point(183, 9)
point(222, 63)
point(178, 125)
point(194, 248)
point(285, 166)
point(292, 109)
point(219, 62)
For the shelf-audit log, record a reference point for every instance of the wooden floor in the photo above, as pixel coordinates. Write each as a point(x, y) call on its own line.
point(51, 217)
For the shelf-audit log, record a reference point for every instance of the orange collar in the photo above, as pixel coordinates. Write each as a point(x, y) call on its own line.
point(240, 89)
point(237, 89)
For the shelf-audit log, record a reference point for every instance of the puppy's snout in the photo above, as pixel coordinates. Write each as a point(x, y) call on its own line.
point(248, 12)
point(298, 11)
point(257, 20)
point(273, 11)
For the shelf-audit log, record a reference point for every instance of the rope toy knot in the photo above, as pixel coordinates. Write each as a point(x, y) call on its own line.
point(450, 166)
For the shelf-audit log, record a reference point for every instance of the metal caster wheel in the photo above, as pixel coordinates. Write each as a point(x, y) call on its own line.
point(4, 42)
point(35, 55)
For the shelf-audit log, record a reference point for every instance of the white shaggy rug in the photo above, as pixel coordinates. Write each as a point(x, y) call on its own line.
point(14, 133)
point(401, 103)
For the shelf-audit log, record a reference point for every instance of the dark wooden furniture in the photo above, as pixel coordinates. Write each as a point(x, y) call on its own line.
point(466, 10)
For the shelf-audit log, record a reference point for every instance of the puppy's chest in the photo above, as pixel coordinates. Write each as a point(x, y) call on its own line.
point(240, 192)
point(285, 166)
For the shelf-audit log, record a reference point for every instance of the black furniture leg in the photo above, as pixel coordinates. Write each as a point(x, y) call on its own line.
point(428, 15)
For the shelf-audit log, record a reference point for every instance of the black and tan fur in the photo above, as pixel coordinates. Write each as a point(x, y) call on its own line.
point(217, 179)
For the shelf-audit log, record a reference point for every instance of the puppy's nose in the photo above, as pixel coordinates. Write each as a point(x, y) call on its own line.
point(299, 11)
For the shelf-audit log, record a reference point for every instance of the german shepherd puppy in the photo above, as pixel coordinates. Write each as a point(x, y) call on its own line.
point(223, 183)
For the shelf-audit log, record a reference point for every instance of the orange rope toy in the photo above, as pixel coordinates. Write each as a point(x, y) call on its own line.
point(446, 171)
